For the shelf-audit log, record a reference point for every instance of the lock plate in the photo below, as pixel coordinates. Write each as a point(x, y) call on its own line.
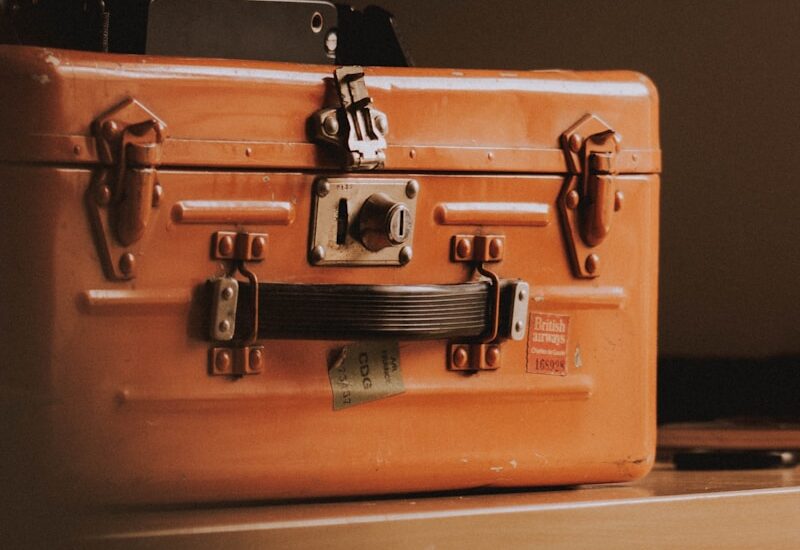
point(342, 228)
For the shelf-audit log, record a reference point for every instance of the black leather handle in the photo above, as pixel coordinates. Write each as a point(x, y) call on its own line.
point(366, 312)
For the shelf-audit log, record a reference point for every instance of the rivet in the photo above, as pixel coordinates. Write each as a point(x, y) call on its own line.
point(222, 362)
point(618, 199)
point(110, 130)
point(323, 188)
point(522, 295)
point(257, 247)
point(489, 155)
point(495, 248)
point(412, 153)
point(575, 142)
point(573, 199)
point(227, 293)
point(492, 355)
point(249, 151)
point(224, 325)
point(158, 192)
point(255, 358)
point(77, 149)
point(225, 246)
point(122, 396)
point(317, 254)
point(518, 326)
point(405, 255)
point(460, 358)
point(463, 248)
point(127, 263)
point(412, 188)
point(103, 195)
point(330, 125)
point(382, 123)
point(592, 263)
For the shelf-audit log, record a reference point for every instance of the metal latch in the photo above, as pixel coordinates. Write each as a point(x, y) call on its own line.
point(356, 128)
point(124, 193)
point(589, 197)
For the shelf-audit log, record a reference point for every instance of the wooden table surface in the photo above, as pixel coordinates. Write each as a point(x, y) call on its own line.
point(668, 509)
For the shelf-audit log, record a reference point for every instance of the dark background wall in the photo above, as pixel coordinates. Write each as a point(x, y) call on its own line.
point(728, 73)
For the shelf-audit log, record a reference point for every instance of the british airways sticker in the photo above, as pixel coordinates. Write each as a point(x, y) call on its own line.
point(548, 335)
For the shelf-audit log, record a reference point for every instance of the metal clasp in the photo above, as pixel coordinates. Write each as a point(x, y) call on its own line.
point(356, 128)
point(122, 196)
point(589, 197)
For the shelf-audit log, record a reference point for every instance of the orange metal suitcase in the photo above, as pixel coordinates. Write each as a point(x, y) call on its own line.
point(228, 280)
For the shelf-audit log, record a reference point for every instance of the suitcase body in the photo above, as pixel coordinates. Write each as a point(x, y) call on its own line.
point(137, 188)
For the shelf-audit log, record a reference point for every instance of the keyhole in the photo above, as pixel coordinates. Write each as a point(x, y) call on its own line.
point(341, 222)
point(401, 230)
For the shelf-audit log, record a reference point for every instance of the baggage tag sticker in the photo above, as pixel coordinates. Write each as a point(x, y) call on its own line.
point(364, 372)
point(548, 335)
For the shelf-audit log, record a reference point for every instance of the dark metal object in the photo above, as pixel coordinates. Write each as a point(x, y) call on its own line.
point(243, 29)
point(94, 25)
point(313, 31)
point(370, 37)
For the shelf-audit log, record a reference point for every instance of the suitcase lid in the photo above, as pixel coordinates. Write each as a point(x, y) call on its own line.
point(244, 114)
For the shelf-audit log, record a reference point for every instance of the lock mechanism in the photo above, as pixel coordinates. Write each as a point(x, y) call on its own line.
point(357, 129)
point(589, 197)
point(125, 191)
point(363, 221)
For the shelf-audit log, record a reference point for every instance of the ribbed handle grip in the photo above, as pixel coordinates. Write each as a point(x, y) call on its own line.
point(368, 312)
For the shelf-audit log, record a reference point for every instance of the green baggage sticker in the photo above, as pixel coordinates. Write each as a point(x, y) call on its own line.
point(364, 372)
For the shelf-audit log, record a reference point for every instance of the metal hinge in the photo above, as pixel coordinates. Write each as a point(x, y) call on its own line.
point(356, 128)
point(510, 296)
point(589, 197)
point(124, 193)
point(242, 356)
